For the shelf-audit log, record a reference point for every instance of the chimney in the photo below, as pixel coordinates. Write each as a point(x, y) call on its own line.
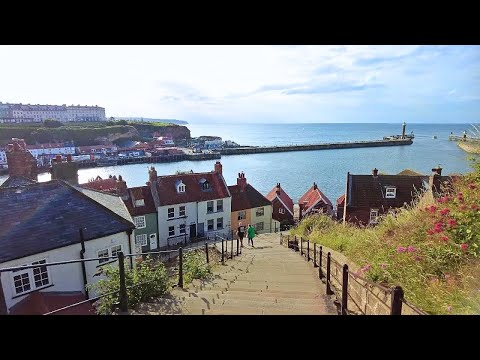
point(20, 161)
point(122, 189)
point(278, 189)
point(58, 158)
point(218, 168)
point(375, 172)
point(434, 180)
point(437, 171)
point(315, 186)
point(152, 175)
point(241, 181)
point(66, 171)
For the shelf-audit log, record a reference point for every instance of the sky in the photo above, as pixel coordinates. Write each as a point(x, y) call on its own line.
point(280, 84)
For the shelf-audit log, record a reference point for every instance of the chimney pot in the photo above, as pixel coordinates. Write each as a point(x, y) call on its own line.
point(58, 158)
point(375, 172)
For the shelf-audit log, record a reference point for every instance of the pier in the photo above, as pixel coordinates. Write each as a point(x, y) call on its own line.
point(326, 146)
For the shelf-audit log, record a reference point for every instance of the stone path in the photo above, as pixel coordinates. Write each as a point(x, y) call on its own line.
point(265, 280)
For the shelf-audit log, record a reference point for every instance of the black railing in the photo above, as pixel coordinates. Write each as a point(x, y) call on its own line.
point(337, 280)
point(168, 257)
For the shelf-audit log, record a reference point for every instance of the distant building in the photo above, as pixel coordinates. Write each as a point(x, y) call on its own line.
point(3, 157)
point(21, 113)
point(313, 202)
point(52, 149)
point(249, 206)
point(98, 149)
point(282, 207)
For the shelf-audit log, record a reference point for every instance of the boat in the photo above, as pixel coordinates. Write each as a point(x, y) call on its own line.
point(434, 137)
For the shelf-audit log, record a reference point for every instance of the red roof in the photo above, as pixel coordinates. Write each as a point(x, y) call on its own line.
point(167, 188)
point(283, 196)
point(341, 200)
point(138, 193)
point(248, 199)
point(39, 303)
point(108, 185)
point(312, 197)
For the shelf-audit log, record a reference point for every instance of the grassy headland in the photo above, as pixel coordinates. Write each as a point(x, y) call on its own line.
point(431, 249)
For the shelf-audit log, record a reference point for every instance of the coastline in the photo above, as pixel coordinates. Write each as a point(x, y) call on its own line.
point(469, 147)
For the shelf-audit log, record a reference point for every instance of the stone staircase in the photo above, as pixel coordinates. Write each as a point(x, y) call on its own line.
point(265, 280)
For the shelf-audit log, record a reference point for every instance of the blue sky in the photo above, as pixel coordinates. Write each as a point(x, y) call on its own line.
point(436, 84)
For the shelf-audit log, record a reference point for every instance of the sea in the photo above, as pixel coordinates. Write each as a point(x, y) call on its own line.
point(297, 171)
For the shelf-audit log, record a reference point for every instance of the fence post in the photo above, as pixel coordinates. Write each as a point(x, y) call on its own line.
point(123, 286)
point(301, 246)
point(320, 272)
point(329, 290)
point(180, 267)
point(206, 252)
point(314, 254)
point(238, 243)
point(288, 241)
point(280, 238)
point(295, 242)
point(345, 289)
point(397, 296)
point(231, 248)
point(223, 256)
point(308, 250)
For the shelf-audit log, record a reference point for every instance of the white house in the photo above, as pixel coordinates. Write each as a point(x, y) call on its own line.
point(191, 205)
point(41, 224)
point(51, 149)
point(3, 157)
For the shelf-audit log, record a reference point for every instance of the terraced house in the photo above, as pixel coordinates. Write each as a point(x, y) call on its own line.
point(190, 206)
point(250, 207)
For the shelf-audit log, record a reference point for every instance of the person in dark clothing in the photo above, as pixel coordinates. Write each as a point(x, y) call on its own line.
point(241, 232)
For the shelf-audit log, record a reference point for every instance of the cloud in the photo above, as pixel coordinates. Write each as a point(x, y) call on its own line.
point(328, 89)
point(453, 91)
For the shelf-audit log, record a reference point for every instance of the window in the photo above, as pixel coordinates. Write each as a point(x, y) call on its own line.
point(102, 254)
point(141, 240)
point(219, 223)
point(22, 281)
point(260, 212)
point(259, 226)
point(242, 215)
point(181, 187)
point(281, 210)
point(171, 213)
point(390, 192)
point(219, 205)
point(140, 202)
point(206, 185)
point(116, 249)
point(182, 211)
point(171, 231)
point(210, 225)
point(209, 206)
point(139, 222)
point(373, 216)
point(40, 274)
point(182, 228)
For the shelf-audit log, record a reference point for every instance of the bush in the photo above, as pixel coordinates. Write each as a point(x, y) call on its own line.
point(151, 280)
point(195, 266)
point(51, 123)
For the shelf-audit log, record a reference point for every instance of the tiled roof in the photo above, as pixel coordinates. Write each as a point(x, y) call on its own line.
point(109, 185)
point(312, 197)
point(48, 215)
point(283, 196)
point(167, 188)
point(110, 201)
point(248, 199)
point(409, 172)
point(369, 191)
point(341, 200)
point(17, 180)
point(39, 303)
point(137, 193)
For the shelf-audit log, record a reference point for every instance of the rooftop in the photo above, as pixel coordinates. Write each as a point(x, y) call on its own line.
point(247, 199)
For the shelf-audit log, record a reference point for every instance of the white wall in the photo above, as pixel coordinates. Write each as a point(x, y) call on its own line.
point(164, 223)
point(266, 219)
point(203, 216)
point(66, 277)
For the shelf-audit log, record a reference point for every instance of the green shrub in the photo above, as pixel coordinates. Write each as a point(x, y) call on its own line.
point(195, 266)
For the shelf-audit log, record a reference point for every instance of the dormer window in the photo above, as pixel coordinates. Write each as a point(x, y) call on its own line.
point(180, 187)
point(140, 202)
point(390, 193)
point(204, 184)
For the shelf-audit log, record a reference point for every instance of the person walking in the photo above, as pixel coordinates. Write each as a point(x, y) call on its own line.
point(241, 232)
point(250, 234)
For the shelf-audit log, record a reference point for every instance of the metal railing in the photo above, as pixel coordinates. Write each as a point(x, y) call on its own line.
point(229, 249)
point(337, 280)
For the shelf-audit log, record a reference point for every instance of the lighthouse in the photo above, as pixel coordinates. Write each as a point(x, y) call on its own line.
point(404, 126)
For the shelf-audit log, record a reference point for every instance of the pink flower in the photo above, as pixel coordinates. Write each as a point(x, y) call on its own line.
point(444, 238)
point(449, 308)
point(459, 195)
point(383, 265)
point(432, 208)
point(464, 246)
point(447, 276)
point(401, 249)
point(445, 211)
point(472, 186)
point(430, 232)
point(438, 227)
point(474, 207)
point(452, 222)
point(411, 249)
point(418, 258)
point(463, 207)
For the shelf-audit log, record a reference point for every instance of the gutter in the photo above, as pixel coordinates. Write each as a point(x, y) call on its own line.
point(84, 270)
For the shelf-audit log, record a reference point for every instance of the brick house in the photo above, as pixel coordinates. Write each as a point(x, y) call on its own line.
point(249, 206)
point(282, 205)
point(314, 202)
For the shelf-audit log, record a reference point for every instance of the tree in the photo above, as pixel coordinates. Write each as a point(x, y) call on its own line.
point(51, 123)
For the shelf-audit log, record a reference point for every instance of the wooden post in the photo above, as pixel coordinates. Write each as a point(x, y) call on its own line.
point(301, 246)
point(314, 254)
point(206, 252)
point(231, 247)
point(180, 267)
point(308, 250)
point(238, 244)
point(223, 256)
point(397, 296)
point(123, 286)
point(329, 290)
point(320, 258)
point(345, 289)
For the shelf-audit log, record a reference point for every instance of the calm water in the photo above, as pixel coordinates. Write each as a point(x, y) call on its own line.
point(296, 171)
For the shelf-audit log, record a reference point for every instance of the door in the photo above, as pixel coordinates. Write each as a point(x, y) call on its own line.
point(201, 230)
point(153, 241)
point(193, 231)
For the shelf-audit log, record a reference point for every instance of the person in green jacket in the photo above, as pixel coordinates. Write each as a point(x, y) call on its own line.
point(250, 234)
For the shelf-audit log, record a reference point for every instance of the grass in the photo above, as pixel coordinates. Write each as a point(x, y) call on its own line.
point(431, 248)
